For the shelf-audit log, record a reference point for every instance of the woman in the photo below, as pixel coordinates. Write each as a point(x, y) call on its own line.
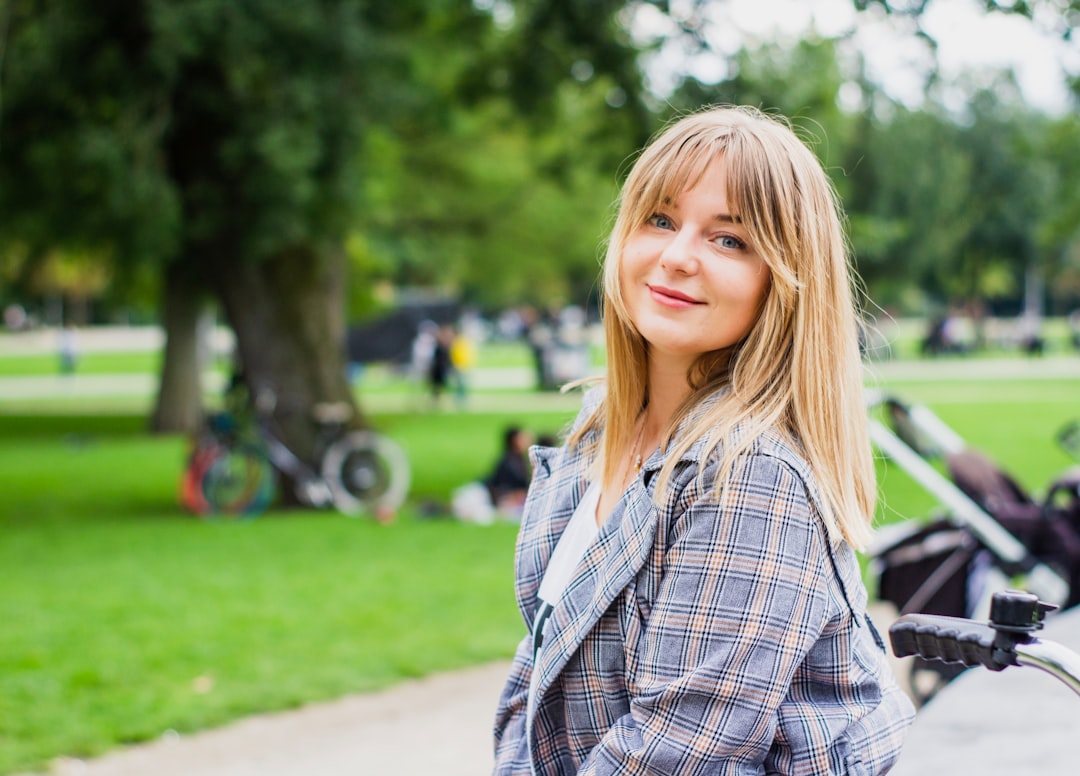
point(685, 562)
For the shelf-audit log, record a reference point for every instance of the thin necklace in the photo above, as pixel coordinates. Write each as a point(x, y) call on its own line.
point(639, 442)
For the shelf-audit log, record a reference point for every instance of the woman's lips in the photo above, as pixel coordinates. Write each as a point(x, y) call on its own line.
point(669, 297)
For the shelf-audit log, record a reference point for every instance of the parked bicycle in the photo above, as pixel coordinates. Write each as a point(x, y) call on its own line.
point(233, 468)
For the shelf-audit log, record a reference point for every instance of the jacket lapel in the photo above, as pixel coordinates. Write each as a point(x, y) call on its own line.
point(622, 547)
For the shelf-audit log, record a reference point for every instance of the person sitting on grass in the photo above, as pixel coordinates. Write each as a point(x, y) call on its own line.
point(509, 480)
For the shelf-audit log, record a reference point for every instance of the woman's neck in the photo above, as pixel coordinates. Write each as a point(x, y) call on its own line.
point(668, 389)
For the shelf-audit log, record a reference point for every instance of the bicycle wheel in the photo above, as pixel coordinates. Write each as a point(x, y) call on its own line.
point(239, 480)
point(367, 473)
point(202, 454)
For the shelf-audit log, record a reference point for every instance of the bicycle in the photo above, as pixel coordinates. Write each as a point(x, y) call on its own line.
point(233, 467)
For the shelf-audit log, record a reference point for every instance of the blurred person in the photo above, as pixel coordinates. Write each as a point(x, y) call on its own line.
point(68, 346)
point(686, 565)
point(509, 480)
point(440, 365)
point(1029, 334)
point(540, 336)
point(462, 360)
point(422, 351)
point(15, 317)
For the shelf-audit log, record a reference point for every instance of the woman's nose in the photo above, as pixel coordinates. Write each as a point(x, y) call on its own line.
point(681, 253)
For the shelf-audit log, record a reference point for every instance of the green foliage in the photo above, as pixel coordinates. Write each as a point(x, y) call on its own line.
point(529, 229)
point(82, 126)
point(263, 136)
point(475, 147)
point(210, 132)
point(909, 205)
point(800, 81)
point(498, 191)
point(943, 206)
point(548, 45)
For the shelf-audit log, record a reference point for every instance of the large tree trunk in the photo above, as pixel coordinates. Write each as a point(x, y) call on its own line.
point(179, 399)
point(287, 314)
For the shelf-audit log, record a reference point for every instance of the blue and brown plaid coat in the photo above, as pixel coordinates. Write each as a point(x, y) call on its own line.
point(698, 636)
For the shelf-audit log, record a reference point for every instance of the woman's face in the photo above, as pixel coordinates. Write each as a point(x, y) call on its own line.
point(692, 281)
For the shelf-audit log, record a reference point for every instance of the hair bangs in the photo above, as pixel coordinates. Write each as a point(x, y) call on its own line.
point(676, 168)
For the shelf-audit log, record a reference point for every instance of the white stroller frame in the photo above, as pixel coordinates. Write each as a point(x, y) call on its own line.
point(1040, 578)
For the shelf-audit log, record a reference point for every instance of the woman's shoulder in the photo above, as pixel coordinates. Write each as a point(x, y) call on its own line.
point(545, 458)
point(593, 394)
point(768, 442)
point(775, 443)
point(713, 438)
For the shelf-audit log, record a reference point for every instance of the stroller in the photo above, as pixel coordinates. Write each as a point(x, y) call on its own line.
point(992, 535)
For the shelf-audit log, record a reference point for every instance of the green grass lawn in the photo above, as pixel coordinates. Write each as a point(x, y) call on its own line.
point(92, 362)
point(125, 617)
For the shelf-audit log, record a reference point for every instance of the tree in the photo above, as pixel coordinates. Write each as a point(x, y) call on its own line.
point(221, 143)
point(908, 201)
point(218, 140)
point(537, 201)
point(1009, 196)
point(1059, 232)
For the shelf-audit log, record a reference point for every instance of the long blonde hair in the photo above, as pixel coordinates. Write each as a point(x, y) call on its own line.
point(798, 369)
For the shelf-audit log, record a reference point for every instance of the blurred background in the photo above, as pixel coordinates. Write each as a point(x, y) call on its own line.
point(306, 199)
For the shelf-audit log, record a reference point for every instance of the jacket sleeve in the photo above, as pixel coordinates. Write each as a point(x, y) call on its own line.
point(511, 744)
point(742, 599)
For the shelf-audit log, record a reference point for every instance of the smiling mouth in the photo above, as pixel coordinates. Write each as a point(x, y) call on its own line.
point(671, 298)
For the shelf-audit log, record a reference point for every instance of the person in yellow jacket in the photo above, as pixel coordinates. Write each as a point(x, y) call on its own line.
point(462, 359)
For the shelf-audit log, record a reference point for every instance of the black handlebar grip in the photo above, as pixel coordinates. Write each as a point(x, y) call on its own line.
point(950, 639)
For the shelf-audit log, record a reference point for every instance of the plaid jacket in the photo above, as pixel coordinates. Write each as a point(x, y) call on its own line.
point(698, 637)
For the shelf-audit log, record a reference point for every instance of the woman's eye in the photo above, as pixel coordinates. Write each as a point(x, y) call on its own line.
point(729, 242)
point(660, 221)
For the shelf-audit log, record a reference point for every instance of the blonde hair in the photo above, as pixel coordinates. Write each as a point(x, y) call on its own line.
point(798, 369)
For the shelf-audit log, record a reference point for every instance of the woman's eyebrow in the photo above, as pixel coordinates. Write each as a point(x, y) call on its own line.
point(727, 218)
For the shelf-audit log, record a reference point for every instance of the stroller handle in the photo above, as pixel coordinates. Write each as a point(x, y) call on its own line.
point(949, 639)
point(1006, 640)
